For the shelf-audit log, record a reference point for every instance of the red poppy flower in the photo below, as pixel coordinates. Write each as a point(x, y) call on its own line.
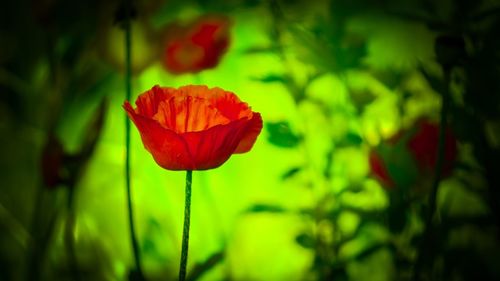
point(412, 155)
point(379, 169)
point(424, 147)
point(197, 46)
point(194, 127)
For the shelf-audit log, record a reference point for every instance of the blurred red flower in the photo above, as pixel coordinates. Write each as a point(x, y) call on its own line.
point(424, 146)
point(197, 46)
point(379, 169)
point(412, 155)
point(194, 127)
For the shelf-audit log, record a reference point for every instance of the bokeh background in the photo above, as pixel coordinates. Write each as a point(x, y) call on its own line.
point(340, 185)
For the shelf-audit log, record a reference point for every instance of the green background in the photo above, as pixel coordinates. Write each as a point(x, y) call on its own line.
point(333, 80)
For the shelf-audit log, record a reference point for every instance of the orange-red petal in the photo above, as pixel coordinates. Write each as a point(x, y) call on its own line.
point(211, 148)
point(169, 150)
point(148, 102)
point(185, 113)
point(252, 131)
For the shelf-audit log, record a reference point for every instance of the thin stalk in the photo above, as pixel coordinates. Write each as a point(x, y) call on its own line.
point(185, 232)
point(423, 251)
point(128, 95)
point(69, 235)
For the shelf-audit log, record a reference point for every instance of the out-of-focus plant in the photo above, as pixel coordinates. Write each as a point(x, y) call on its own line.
point(57, 44)
point(61, 169)
point(415, 162)
point(324, 45)
point(411, 155)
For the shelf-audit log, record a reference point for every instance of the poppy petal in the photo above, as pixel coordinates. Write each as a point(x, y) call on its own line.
point(202, 91)
point(169, 150)
point(379, 169)
point(188, 114)
point(148, 102)
point(231, 106)
point(424, 147)
point(211, 148)
point(226, 102)
point(252, 130)
point(197, 46)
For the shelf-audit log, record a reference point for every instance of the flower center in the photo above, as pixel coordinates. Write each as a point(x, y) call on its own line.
point(189, 114)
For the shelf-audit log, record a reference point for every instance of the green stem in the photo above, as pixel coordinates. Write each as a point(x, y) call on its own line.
point(128, 88)
point(424, 253)
point(185, 232)
point(69, 235)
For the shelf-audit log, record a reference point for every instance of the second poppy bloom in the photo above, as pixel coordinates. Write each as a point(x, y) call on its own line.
point(412, 155)
point(197, 46)
point(194, 127)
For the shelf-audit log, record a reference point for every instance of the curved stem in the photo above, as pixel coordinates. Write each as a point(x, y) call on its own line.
point(424, 253)
point(128, 88)
point(185, 232)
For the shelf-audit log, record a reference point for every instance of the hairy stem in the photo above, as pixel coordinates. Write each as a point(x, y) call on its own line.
point(185, 232)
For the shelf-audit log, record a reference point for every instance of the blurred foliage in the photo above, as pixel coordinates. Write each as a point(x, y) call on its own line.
point(335, 80)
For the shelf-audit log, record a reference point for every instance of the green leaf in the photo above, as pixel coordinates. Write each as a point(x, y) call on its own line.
point(350, 57)
point(307, 212)
point(369, 251)
point(260, 208)
point(306, 240)
point(75, 163)
point(271, 78)
point(361, 98)
point(152, 234)
point(354, 188)
point(350, 139)
point(261, 50)
point(290, 173)
point(281, 135)
point(200, 268)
